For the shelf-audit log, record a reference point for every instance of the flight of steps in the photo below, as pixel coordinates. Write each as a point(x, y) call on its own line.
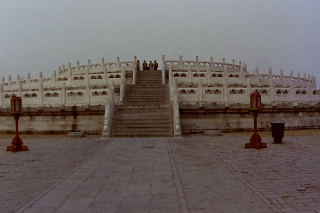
point(147, 111)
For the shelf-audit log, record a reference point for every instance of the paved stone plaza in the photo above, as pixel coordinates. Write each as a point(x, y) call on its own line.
point(192, 174)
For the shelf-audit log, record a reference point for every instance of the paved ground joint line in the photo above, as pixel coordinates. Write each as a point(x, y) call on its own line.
point(34, 200)
point(181, 196)
point(252, 188)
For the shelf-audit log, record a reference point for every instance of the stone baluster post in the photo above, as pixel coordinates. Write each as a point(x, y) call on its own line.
point(241, 73)
point(20, 90)
point(180, 63)
point(225, 92)
point(304, 76)
point(163, 70)
point(170, 74)
point(59, 70)
point(315, 82)
point(209, 76)
point(105, 76)
point(256, 74)
point(292, 92)
point(118, 63)
point(197, 63)
point(9, 82)
point(88, 71)
point(70, 80)
point(225, 71)
point(40, 94)
point(18, 78)
point(40, 77)
point(78, 66)
point(1, 94)
point(28, 80)
point(189, 74)
point(271, 90)
point(309, 77)
point(102, 65)
point(200, 91)
point(281, 77)
point(249, 89)
point(233, 65)
point(211, 64)
point(63, 94)
point(134, 70)
point(87, 93)
point(54, 79)
point(63, 68)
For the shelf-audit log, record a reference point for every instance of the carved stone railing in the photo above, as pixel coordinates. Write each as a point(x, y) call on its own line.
point(175, 109)
point(109, 111)
point(123, 86)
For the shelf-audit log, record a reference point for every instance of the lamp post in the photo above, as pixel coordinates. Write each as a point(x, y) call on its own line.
point(16, 110)
point(255, 107)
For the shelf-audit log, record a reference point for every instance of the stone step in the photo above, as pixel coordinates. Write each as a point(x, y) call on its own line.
point(146, 120)
point(141, 131)
point(142, 135)
point(142, 127)
point(139, 123)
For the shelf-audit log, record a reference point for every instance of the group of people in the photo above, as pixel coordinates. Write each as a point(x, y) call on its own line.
point(145, 66)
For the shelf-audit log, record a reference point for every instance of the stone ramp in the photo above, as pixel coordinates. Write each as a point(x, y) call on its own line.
point(147, 111)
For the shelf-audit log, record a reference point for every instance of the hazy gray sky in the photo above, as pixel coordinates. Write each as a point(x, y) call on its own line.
point(41, 35)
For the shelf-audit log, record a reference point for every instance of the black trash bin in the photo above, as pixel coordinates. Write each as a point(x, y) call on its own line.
point(277, 131)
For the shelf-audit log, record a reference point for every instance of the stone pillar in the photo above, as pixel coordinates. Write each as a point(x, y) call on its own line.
point(78, 66)
point(103, 64)
point(59, 70)
point(309, 77)
point(28, 80)
point(225, 72)
point(209, 76)
point(270, 76)
point(180, 63)
point(292, 93)
point(200, 91)
point(20, 90)
point(170, 74)
point(70, 80)
point(299, 75)
point(225, 93)
point(18, 78)
point(118, 63)
point(54, 79)
point(211, 64)
point(304, 76)
point(63, 94)
point(105, 76)
point(197, 63)
point(256, 74)
point(233, 65)
point(249, 89)
point(163, 70)
point(63, 68)
point(87, 78)
point(134, 70)
point(241, 73)
point(1, 94)
point(281, 77)
point(40, 94)
point(40, 77)
point(315, 82)
point(271, 90)
point(87, 93)
point(245, 66)
point(189, 74)
point(9, 82)
point(224, 67)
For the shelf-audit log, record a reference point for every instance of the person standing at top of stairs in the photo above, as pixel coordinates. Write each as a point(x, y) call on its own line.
point(155, 65)
point(144, 65)
point(150, 65)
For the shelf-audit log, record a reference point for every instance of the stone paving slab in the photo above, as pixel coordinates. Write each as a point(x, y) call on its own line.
point(192, 174)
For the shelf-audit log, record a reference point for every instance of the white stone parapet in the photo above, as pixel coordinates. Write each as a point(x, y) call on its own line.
point(202, 82)
point(78, 85)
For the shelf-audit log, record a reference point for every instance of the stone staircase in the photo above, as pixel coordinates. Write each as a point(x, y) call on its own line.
point(147, 111)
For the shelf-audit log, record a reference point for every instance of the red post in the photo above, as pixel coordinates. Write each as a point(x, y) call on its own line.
point(255, 106)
